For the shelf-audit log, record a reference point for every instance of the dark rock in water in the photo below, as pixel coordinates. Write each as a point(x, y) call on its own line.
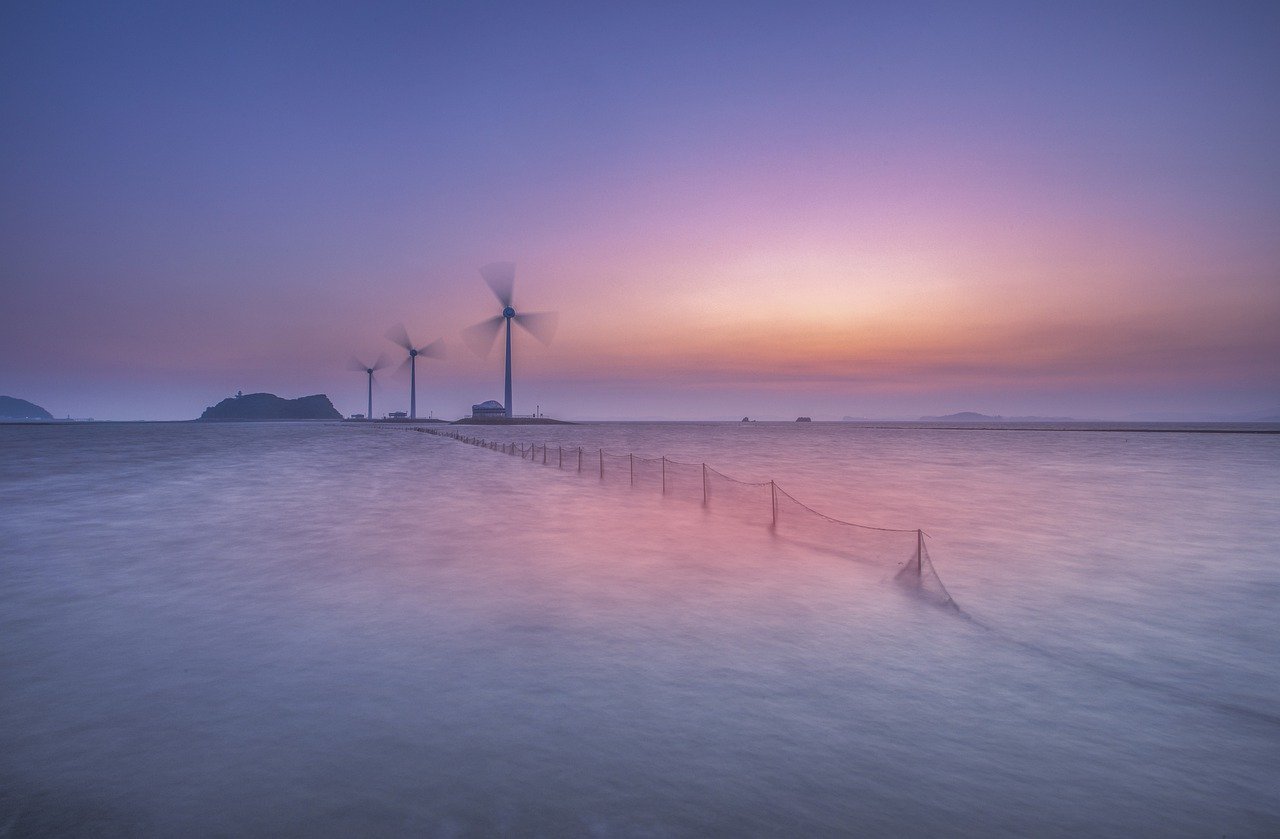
point(804, 419)
point(268, 406)
point(13, 408)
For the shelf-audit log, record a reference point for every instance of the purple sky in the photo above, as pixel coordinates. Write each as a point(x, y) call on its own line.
point(779, 209)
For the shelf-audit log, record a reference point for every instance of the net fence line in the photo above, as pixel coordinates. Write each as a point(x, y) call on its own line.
point(761, 502)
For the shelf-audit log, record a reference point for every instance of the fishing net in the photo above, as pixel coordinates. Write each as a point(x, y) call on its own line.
point(757, 502)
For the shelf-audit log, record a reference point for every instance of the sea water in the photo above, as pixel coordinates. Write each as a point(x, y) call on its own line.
point(339, 630)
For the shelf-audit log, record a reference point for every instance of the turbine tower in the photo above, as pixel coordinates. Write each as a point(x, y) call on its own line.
point(399, 335)
point(501, 279)
point(368, 369)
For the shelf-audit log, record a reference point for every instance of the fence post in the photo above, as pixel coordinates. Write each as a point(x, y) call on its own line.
point(704, 483)
point(579, 458)
point(664, 474)
point(602, 464)
point(773, 494)
point(544, 454)
point(919, 554)
point(632, 458)
point(560, 449)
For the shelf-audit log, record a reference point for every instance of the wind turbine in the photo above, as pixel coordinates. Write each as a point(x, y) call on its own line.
point(501, 278)
point(368, 369)
point(399, 335)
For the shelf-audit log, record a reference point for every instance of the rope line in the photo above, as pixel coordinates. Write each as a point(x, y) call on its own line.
point(916, 570)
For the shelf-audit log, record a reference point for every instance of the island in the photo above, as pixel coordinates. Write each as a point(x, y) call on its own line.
point(268, 406)
point(971, 416)
point(13, 408)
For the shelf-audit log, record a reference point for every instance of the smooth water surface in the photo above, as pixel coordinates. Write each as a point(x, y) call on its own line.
point(336, 630)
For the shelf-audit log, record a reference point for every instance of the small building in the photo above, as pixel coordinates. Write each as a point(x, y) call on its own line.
point(397, 415)
point(489, 409)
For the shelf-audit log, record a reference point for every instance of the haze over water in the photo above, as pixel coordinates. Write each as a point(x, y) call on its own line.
point(337, 630)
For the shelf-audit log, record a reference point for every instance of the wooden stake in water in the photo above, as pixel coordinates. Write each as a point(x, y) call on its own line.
point(919, 554)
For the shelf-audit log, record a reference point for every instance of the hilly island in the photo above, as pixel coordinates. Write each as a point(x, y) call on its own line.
point(12, 408)
point(268, 406)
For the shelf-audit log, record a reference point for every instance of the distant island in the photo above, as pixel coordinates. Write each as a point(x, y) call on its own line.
point(508, 421)
point(970, 416)
point(268, 406)
point(12, 408)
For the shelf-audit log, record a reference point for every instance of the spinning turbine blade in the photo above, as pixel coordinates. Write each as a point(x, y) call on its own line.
point(541, 325)
point(381, 362)
point(436, 349)
point(357, 365)
point(406, 364)
point(501, 277)
point(480, 336)
point(399, 335)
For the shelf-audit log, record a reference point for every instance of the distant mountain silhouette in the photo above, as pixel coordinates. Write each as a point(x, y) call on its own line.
point(12, 407)
point(970, 416)
point(268, 406)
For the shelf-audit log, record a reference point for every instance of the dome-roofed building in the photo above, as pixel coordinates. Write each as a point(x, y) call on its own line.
point(489, 409)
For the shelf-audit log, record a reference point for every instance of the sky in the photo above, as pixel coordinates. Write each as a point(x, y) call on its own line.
point(767, 209)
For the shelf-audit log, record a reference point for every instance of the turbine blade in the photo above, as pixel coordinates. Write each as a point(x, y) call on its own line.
point(356, 364)
point(436, 349)
point(480, 336)
point(541, 325)
point(399, 335)
point(501, 277)
point(404, 365)
point(381, 362)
